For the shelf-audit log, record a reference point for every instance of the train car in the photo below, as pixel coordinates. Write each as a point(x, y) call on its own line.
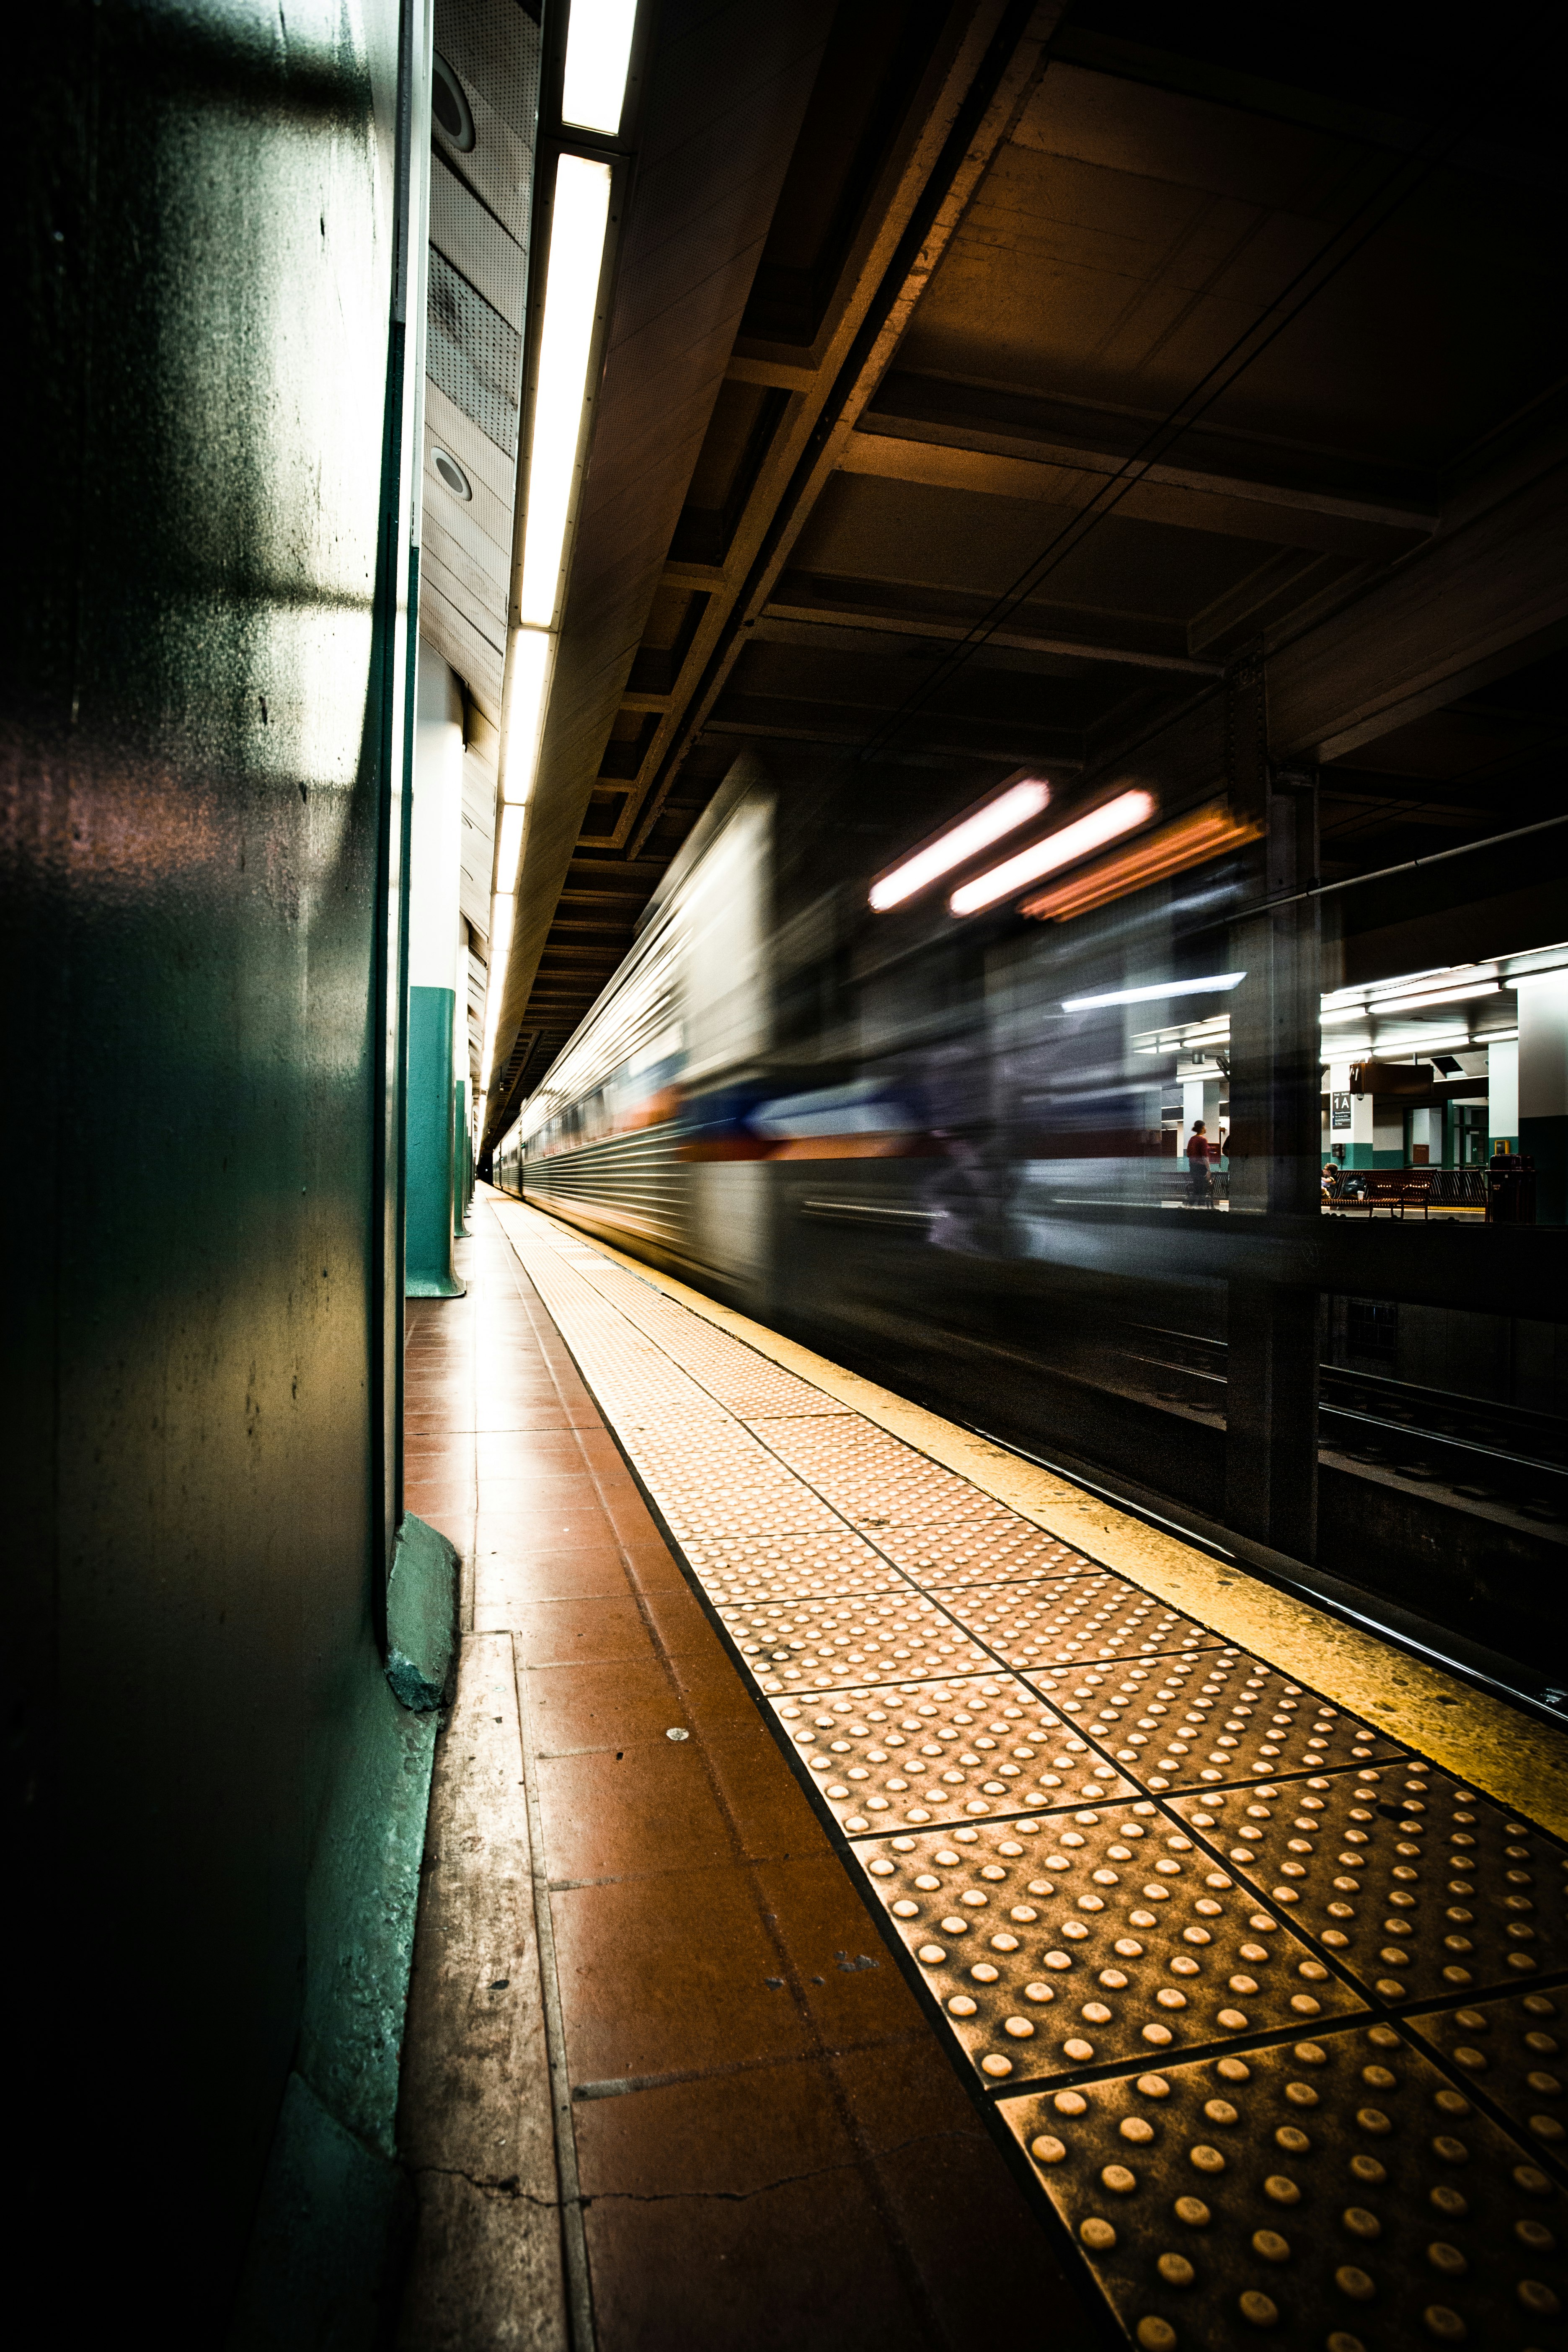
point(1020, 1162)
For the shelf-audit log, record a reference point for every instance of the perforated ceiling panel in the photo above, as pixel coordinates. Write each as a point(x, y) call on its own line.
point(473, 354)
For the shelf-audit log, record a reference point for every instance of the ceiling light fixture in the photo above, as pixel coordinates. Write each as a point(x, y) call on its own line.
point(1215, 980)
point(1061, 848)
point(1414, 1003)
point(598, 59)
point(961, 842)
point(452, 473)
point(579, 224)
point(578, 220)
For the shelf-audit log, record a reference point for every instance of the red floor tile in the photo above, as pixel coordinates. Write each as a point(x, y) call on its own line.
point(647, 1807)
point(614, 1705)
point(804, 2264)
point(849, 1979)
point(669, 1975)
point(581, 1632)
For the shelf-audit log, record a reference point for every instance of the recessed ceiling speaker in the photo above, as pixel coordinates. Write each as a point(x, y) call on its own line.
point(449, 106)
point(452, 473)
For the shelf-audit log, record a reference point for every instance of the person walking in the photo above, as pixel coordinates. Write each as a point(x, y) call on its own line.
point(1199, 1183)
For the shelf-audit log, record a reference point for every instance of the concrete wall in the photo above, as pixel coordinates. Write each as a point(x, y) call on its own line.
point(195, 787)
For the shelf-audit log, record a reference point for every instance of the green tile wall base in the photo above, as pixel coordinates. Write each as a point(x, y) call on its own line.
point(421, 1613)
point(331, 2237)
point(332, 2230)
point(431, 1129)
point(462, 1191)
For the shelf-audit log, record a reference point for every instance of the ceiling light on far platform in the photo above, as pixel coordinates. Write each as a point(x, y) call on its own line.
point(1150, 995)
point(1057, 849)
point(1417, 999)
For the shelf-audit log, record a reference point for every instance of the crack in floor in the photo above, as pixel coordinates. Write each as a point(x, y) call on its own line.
point(510, 2187)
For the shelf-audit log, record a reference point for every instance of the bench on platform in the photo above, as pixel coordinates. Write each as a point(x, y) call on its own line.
point(1394, 1189)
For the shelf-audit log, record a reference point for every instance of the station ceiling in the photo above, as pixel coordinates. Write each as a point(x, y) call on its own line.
point(986, 384)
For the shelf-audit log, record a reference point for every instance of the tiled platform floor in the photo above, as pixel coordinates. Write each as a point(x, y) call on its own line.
point(664, 2083)
point(1070, 1826)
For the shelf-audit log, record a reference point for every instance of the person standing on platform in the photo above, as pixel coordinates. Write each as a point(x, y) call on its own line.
point(1199, 1183)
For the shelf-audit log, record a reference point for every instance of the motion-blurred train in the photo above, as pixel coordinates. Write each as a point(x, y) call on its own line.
point(938, 1130)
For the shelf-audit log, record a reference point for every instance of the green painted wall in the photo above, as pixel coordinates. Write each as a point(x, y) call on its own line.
point(198, 773)
point(1366, 1155)
point(432, 1117)
point(463, 1160)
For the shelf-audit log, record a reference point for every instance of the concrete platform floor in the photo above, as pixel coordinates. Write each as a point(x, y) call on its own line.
point(663, 2083)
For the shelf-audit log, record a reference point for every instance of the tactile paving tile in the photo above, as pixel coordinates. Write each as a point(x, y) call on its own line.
point(1184, 1954)
point(827, 1644)
point(1515, 2052)
point(893, 1756)
point(741, 1378)
point(1218, 1717)
point(721, 1488)
point(876, 1481)
point(1335, 2193)
point(939, 1557)
point(1416, 1885)
point(1107, 1937)
point(1100, 1616)
point(825, 1561)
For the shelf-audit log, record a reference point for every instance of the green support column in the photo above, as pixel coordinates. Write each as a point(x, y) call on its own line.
point(431, 1138)
point(462, 1185)
point(432, 1102)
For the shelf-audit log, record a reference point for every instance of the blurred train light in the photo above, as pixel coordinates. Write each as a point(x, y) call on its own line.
point(1074, 841)
point(961, 842)
point(1206, 833)
point(598, 54)
point(1160, 988)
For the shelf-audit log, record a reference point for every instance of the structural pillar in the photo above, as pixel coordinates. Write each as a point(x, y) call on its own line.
point(1502, 1098)
point(433, 882)
point(1354, 1134)
point(463, 1188)
point(1543, 1089)
point(1271, 1396)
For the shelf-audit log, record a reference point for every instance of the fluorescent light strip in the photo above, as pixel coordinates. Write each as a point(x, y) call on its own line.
point(598, 54)
point(528, 679)
point(1408, 984)
point(1004, 814)
point(1057, 849)
point(503, 907)
point(578, 223)
point(1216, 980)
point(508, 842)
point(1380, 1005)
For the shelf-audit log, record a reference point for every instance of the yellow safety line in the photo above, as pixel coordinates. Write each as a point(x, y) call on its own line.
point(1478, 1738)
